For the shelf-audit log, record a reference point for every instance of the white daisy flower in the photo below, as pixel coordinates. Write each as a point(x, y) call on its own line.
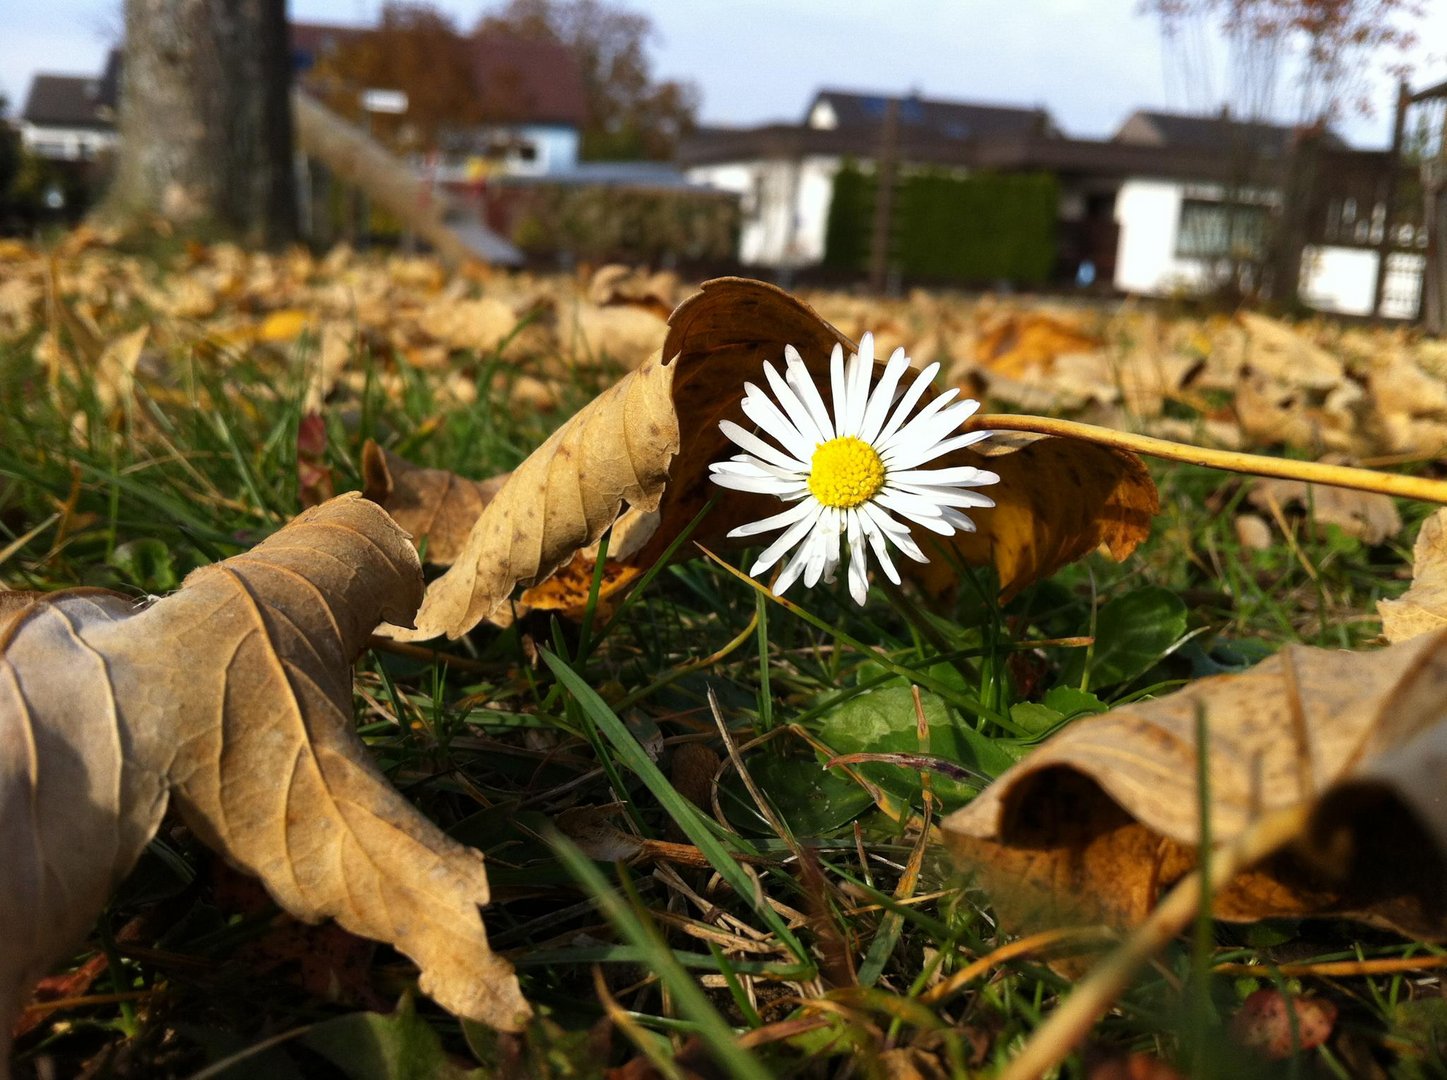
point(850, 472)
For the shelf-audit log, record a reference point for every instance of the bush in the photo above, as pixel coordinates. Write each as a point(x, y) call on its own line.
point(981, 228)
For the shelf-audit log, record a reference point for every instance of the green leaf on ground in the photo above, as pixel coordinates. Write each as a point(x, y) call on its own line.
point(883, 722)
point(1132, 632)
point(813, 801)
point(374, 1046)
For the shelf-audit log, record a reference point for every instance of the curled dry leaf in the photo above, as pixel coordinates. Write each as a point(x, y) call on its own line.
point(1421, 609)
point(648, 442)
point(233, 695)
point(1106, 813)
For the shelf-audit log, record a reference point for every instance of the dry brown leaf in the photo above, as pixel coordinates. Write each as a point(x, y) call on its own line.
point(1367, 515)
point(1017, 341)
point(619, 284)
point(1103, 819)
point(1286, 353)
point(434, 505)
point(658, 427)
point(233, 695)
point(1057, 500)
point(479, 325)
point(626, 335)
point(1422, 608)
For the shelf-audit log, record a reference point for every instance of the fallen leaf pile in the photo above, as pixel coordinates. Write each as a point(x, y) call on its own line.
point(1244, 380)
point(234, 697)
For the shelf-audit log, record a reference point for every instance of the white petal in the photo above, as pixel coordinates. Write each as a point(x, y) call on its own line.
point(748, 465)
point(858, 560)
point(883, 395)
point(920, 511)
point(958, 520)
point(877, 541)
point(856, 394)
point(778, 521)
point(906, 502)
point(797, 375)
point(837, 388)
point(966, 475)
point(823, 545)
point(946, 496)
point(906, 403)
point(759, 408)
point(795, 407)
point(954, 443)
point(763, 485)
point(756, 446)
point(791, 536)
point(896, 531)
point(792, 569)
point(928, 438)
point(924, 420)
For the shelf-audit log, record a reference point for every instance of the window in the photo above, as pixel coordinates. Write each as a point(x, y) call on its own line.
point(1215, 230)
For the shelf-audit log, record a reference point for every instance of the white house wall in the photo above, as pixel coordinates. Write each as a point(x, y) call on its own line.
point(557, 150)
point(785, 206)
point(65, 144)
point(1149, 215)
point(1339, 279)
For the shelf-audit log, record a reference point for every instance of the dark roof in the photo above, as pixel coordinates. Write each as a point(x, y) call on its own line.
point(69, 101)
point(522, 81)
point(946, 119)
point(1010, 153)
point(1218, 133)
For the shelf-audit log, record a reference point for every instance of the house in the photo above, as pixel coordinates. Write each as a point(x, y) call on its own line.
point(1187, 233)
point(1170, 203)
point(71, 118)
point(531, 92)
point(784, 173)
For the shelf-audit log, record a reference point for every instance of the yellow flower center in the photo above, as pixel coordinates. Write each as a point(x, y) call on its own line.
point(845, 472)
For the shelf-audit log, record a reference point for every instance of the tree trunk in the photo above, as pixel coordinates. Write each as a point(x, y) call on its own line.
point(206, 134)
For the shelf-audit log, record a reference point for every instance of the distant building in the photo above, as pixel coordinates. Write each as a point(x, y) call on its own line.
point(1179, 233)
point(532, 92)
point(71, 117)
point(784, 173)
point(1167, 204)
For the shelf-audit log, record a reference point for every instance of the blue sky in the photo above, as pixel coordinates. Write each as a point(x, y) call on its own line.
point(1090, 62)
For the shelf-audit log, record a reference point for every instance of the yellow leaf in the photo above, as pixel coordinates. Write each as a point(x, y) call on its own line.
point(282, 326)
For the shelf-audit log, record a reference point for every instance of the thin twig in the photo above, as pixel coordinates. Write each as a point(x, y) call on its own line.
point(1384, 965)
point(1410, 487)
point(1034, 943)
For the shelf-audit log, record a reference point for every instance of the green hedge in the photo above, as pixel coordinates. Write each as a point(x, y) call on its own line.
point(595, 222)
point(981, 228)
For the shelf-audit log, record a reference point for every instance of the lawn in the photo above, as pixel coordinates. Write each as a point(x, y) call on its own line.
point(682, 885)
